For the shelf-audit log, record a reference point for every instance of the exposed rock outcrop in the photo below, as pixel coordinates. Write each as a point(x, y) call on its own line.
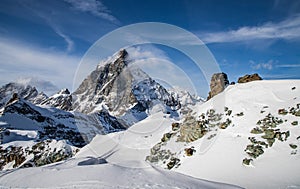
point(26, 92)
point(249, 78)
point(218, 83)
point(61, 100)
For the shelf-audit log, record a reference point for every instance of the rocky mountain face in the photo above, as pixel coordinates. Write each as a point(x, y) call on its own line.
point(123, 90)
point(113, 97)
point(218, 83)
point(27, 130)
point(26, 92)
point(61, 100)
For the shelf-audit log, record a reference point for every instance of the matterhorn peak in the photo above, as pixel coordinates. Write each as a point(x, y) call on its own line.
point(123, 89)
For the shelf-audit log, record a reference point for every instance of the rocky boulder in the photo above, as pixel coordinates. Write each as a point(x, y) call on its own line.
point(249, 78)
point(218, 83)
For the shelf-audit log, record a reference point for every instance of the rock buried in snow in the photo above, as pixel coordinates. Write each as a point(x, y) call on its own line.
point(174, 161)
point(246, 161)
point(175, 126)
point(189, 151)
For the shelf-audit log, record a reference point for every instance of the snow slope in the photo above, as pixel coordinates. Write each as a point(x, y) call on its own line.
point(220, 157)
point(115, 160)
point(95, 173)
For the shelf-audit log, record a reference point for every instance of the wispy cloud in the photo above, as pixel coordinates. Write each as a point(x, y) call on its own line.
point(288, 29)
point(262, 65)
point(53, 25)
point(68, 40)
point(94, 7)
point(288, 66)
point(21, 60)
point(280, 76)
point(42, 85)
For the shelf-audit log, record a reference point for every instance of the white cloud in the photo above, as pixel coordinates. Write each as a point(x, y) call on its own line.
point(159, 67)
point(262, 65)
point(94, 7)
point(41, 85)
point(68, 40)
point(146, 52)
point(288, 29)
point(21, 60)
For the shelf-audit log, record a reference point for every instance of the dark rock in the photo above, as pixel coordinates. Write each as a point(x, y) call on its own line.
point(240, 114)
point(189, 151)
point(166, 137)
point(254, 150)
point(256, 130)
point(249, 78)
point(247, 161)
point(225, 124)
point(175, 126)
point(293, 146)
point(218, 83)
point(173, 162)
point(269, 134)
point(297, 113)
point(282, 111)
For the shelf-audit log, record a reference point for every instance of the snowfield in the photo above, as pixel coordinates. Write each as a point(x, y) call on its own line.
point(97, 173)
point(220, 159)
point(117, 160)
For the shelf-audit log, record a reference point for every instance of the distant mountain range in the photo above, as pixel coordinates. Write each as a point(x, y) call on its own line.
point(112, 98)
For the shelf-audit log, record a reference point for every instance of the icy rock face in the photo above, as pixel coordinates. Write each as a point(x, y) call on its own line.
point(61, 100)
point(218, 83)
point(121, 89)
point(249, 78)
point(45, 122)
point(99, 84)
point(39, 98)
point(25, 91)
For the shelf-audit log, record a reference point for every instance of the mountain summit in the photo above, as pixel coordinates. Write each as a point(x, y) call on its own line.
point(123, 89)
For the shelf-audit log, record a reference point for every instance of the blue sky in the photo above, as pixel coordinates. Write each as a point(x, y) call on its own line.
point(42, 42)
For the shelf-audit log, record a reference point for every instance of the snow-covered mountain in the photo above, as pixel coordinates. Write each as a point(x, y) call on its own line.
point(247, 135)
point(237, 137)
point(25, 125)
point(61, 100)
point(27, 92)
point(124, 90)
point(112, 98)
